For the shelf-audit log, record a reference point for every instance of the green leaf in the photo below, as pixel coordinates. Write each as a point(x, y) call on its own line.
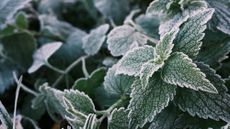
point(222, 15)
point(191, 33)
point(147, 102)
point(21, 20)
point(9, 7)
point(80, 101)
point(206, 105)
point(19, 47)
point(115, 10)
point(94, 40)
point(42, 55)
point(118, 119)
point(133, 60)
point(117, 84)
point(124, 38)
point(5, 118)
point(180, 70)
point(165, 46)
point(89, 85)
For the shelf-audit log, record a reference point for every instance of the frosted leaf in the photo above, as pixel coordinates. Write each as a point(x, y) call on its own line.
point(206, 105)
point(117, 84)
point(94, 40)
point(118, 119)
point(91, 122)
point(133, 60)
point(124, 38)
point(191, 33)
point(5, 118)
point(180, 70)
point(42, 55)
point(147, 102)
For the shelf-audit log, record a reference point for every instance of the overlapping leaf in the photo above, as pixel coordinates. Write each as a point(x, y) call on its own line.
point(118, 119)
point(191, 33)
point(180, 70)
point(124, 38)
point(117, 84)
point(149, 101)
point(206, 105)
point(93, 41)
point(5, 119)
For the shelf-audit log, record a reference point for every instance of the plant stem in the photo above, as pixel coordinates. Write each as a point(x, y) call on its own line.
point(107, 112)
point(85, 72)
point(16, 101)
point(25, 88)
point(68, 69)
point(54, 68)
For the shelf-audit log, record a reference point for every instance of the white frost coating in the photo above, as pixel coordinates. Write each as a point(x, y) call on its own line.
point(180, 70)
point(133, 60)
point(93, 41)
point(124, 38)
point(42, 55)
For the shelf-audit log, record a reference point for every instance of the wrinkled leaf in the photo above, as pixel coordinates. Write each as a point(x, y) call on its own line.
point(118, 119)
point(147, 102)
point(124, 38)
point(180, 70)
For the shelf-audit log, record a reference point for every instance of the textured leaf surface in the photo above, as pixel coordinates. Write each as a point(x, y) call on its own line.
point(149, 101)
point(9, 7)
point(118, 119)
point(19, 48)
point(191, 33)
point(80, 101)
point(221, 15)
point(5, 117)
point(123, 38)
point(180, 70)
point(206, 105)
point(133, 60)
point(89, 85)
point(117, 84)
point(93, 41)
point(42, 55)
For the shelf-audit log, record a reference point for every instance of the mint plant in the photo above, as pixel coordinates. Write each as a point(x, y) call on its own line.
point(97, 64)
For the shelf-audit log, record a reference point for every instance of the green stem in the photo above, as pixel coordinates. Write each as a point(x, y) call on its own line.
point(107, 112)
point(68, 69)
point(85, 72)
point(54, 68)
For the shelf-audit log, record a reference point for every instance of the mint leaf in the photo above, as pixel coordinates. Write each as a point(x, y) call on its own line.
point(118, 119)
point(221, 15)
point(89, 85)
point(133, 60)
point(42, 55)
point(94, 40)
point(124, 38)
point(9, 7)
point(147, 102)
point(206, 105)
point(117, 84)
point(19, 47)
point(191, 33)
point(79, 101)
point(180, 70)
point(21, 20)
point(5, 118)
